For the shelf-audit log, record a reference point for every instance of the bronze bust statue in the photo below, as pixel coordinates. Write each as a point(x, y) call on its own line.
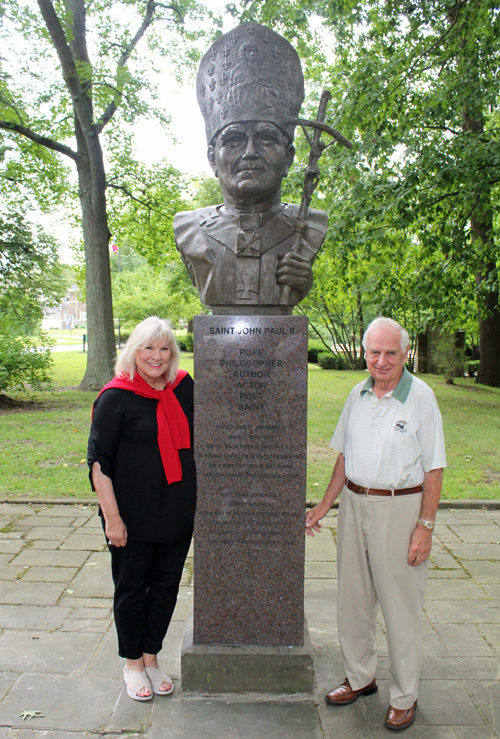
point(239, 254)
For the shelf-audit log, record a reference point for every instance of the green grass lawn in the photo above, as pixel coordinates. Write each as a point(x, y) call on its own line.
point(43, 445)
point(66, 336)
point(471, 420)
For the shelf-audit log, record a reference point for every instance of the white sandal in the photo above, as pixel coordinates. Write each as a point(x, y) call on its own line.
point(137, 680)
point(157, 677)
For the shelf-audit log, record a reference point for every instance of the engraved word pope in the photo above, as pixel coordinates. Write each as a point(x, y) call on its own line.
point(250, 90)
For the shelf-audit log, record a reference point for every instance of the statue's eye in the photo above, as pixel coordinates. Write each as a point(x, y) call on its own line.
point(266, 139)
point(235, 140)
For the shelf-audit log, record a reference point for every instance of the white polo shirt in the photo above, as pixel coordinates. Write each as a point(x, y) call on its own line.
point(390, 443)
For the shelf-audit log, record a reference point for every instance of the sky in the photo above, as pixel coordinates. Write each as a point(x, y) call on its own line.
point(189, 154)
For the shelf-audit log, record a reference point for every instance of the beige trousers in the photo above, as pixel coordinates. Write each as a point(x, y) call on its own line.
point(373, 538)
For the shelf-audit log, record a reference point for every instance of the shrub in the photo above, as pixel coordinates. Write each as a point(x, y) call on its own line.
point(313, 349)
point(329, 361)
point(124, 336)
point(181, 341)
point(471, 367)
point(24, 360)
point(448, 358)
point(188, 342)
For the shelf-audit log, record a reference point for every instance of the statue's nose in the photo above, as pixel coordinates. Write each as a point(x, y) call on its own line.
point(250, 152)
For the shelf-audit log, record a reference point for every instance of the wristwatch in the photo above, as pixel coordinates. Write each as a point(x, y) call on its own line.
point(429, 525)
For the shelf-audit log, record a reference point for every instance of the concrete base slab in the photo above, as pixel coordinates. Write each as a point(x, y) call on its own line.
point(218, 669)
point(245, 720)
point(40, 618)
point(31, 593)
point(68, 703)
point(43, 734)
point(129, 715)
point(39, 651)
point(7, 679)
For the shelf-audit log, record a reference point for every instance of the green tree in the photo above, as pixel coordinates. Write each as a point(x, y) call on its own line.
point(30, 272)
point(30, 277)
point(68, 69)
point(416, 86)
point(163, 292)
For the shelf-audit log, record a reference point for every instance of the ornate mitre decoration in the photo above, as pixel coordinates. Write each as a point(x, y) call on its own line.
point(250, 74)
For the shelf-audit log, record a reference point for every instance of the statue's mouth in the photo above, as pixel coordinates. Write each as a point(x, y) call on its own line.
point(250, 170)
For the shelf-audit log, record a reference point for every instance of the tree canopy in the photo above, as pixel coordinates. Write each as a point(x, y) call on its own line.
point(68, 69)
point(31, 276)
point(416, 87)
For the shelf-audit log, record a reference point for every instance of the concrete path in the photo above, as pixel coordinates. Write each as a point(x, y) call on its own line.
point(58, 646)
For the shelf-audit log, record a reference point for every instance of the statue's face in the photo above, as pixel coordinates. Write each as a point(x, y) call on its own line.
point(250, 159)
point(251, 52)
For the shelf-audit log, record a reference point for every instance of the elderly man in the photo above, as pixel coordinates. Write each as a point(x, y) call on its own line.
point(239, 254)
point(389, 471)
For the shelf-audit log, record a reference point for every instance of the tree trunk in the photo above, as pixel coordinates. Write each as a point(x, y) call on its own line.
point(361, 360)
point(488, 309)
point(101, 354)
point(489, 333)
point(101, 336)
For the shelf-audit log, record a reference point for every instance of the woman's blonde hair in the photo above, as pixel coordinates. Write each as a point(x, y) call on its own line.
point(144, 334)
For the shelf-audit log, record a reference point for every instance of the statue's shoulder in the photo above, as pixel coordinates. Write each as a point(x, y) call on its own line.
point(317, 219)
point(186, 216)
point(198, 217)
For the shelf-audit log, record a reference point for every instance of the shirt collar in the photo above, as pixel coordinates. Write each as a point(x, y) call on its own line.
point(401, 390)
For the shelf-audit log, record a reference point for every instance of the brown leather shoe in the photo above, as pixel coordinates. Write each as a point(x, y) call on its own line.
point(398, 719)
point(344, 694)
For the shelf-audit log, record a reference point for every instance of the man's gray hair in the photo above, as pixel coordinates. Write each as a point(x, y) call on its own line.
point(144, 334)
point(384, 322)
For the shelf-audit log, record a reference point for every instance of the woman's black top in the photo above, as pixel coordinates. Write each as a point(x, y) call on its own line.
point(124, 440)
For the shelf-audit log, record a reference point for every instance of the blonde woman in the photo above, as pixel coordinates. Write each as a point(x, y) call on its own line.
point(140, 455)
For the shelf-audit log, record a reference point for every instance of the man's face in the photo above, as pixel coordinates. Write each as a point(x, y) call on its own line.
point(250, 159)
point(384, 358)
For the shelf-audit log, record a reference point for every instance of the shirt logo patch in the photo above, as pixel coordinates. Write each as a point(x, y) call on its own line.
point(401, 426)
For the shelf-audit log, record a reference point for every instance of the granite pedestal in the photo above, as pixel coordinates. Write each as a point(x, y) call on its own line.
point(250, 446)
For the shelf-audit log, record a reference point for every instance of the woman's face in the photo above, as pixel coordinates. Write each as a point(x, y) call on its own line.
point(152, 361)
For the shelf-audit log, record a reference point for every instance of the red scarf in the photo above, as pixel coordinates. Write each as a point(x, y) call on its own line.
point(173, 427)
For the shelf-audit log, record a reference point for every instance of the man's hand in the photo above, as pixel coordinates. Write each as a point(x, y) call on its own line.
point(294, 270)
point(312, 519)
point(420, 545)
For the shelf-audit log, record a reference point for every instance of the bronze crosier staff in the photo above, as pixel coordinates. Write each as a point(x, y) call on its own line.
point(312, 174)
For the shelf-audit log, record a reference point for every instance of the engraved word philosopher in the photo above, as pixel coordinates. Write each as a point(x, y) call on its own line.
point(241, 254)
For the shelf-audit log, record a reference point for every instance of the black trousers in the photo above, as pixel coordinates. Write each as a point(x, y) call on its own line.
point(146, 577)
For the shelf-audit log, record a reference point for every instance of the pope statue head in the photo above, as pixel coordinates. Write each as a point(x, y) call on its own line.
point(250, 90)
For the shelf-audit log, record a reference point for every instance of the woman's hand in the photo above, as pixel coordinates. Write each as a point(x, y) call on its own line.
point(115, 529)
point(116, 532)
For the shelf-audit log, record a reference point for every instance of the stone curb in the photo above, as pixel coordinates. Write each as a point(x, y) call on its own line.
point(491, 505)
point(50, 501)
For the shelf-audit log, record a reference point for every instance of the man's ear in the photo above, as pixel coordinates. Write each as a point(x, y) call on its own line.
point(290, 156)
point(211, 158)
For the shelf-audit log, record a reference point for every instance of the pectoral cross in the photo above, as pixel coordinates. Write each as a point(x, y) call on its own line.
point(248, 281)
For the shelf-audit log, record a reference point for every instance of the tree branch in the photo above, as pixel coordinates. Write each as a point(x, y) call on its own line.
point(113, 105)
point(127, 192)
point(443, 128)
point(42, 140)
point(173, 8)
point(70, 73)
point(424, 53)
